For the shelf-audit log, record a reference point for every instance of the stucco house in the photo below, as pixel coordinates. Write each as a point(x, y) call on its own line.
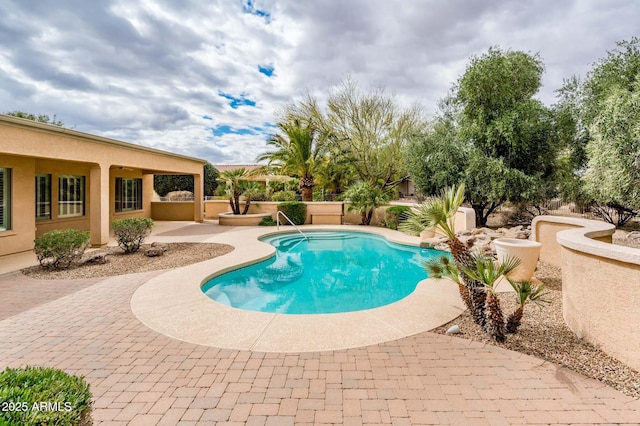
point(55, 178)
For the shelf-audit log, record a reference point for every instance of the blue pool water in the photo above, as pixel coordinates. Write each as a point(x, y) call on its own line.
point(330, 272)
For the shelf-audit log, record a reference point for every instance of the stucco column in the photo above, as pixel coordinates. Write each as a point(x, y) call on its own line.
point(99, 208)
point(198, 197)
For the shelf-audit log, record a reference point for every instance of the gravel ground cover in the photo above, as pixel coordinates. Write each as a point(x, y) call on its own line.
point(118, 263)
point(543, 333)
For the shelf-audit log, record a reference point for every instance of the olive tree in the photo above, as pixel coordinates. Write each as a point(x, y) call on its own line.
point(611, 113)
point(612, 176)
point(437, 157)
point(491, 134)
point(514, 136)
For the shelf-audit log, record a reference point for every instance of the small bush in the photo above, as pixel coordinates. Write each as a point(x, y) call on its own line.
point(25, 391)
point(61, 248)
point(295, 210)
point(284, 196)
point(267, 221)
point(131, 232)
point(395, 215)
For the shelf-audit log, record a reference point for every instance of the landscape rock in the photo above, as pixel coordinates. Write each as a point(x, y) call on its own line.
point(156, 249)
point(97, 257)
point(454, 329)
point(633, 235)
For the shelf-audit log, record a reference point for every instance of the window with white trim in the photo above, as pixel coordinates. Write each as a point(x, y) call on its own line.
point(70, 196)
point(128, 192)
point(43, 197)
point(5, 199)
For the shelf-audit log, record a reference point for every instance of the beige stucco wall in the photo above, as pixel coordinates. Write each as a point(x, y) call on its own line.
point(23, 232)
point(600, 283)
point(214, 207)
point(172, 210)
point(28, 148)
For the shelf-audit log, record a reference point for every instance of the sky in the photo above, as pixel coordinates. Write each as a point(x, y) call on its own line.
point(206, 78)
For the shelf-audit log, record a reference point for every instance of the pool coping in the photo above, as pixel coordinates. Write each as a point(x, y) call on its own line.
point(174, 305)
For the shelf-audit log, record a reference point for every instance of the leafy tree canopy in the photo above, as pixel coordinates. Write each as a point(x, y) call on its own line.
point(491, 134)
point(163, 184)
point(41, 118)
point(373, 130)
point(613, 171)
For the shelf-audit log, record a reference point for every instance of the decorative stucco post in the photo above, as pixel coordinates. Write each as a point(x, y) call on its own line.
point(99, 205)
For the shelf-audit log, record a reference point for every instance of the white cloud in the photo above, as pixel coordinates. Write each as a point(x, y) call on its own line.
point(147, 72)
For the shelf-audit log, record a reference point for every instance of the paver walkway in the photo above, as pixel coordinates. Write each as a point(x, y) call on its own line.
point(140, 377)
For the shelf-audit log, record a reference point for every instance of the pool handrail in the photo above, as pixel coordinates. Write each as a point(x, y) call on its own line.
point(290, 221)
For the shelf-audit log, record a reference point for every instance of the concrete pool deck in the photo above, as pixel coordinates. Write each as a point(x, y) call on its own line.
point(141, 377)
point(173, 304)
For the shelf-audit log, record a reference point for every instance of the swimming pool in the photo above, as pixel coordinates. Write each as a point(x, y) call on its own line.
point(328, 272)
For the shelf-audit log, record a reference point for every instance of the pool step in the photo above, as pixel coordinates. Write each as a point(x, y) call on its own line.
point(287, 242)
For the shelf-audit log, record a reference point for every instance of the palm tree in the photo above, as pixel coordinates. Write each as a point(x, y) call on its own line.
point(249, 190)
point(484, 270)
point(443, 267)
point(438, 214)
point(233, 181)
point(364, 199)
point(296, 151)
point(526, 292)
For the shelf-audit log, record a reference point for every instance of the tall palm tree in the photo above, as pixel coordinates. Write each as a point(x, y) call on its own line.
point(296, 150)
point(438, 214)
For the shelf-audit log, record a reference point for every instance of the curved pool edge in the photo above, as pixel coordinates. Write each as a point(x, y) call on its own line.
point(174, 305)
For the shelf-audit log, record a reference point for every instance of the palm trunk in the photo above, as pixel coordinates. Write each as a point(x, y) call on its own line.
point(495, 321)
point(307, 193)
point(513, 322)
point(247, 203)
point(475, 294)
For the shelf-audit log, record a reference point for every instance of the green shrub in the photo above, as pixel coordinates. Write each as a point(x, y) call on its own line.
point(61, 248)
point(24, 392)
point(295, 210)
point(395, 215)
point(267, 221)
point(131, 232)
point(284, 196)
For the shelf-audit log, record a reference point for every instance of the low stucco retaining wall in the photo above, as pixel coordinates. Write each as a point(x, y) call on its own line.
point(229, 219)
point(465, 217)
point(600, 282)
point(172, 210)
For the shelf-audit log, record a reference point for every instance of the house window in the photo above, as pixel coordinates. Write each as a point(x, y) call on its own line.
point(43, 197)
point(70, 196)
point(5, 199)
point(128, 194)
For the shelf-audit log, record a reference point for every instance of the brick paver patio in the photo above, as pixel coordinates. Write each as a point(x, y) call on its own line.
point(140, 377)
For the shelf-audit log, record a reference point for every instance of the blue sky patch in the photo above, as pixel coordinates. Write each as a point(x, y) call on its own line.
point(249, 7)
point(206, 117)
point(237, 101)
point(266, 70)
point(224, 129)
